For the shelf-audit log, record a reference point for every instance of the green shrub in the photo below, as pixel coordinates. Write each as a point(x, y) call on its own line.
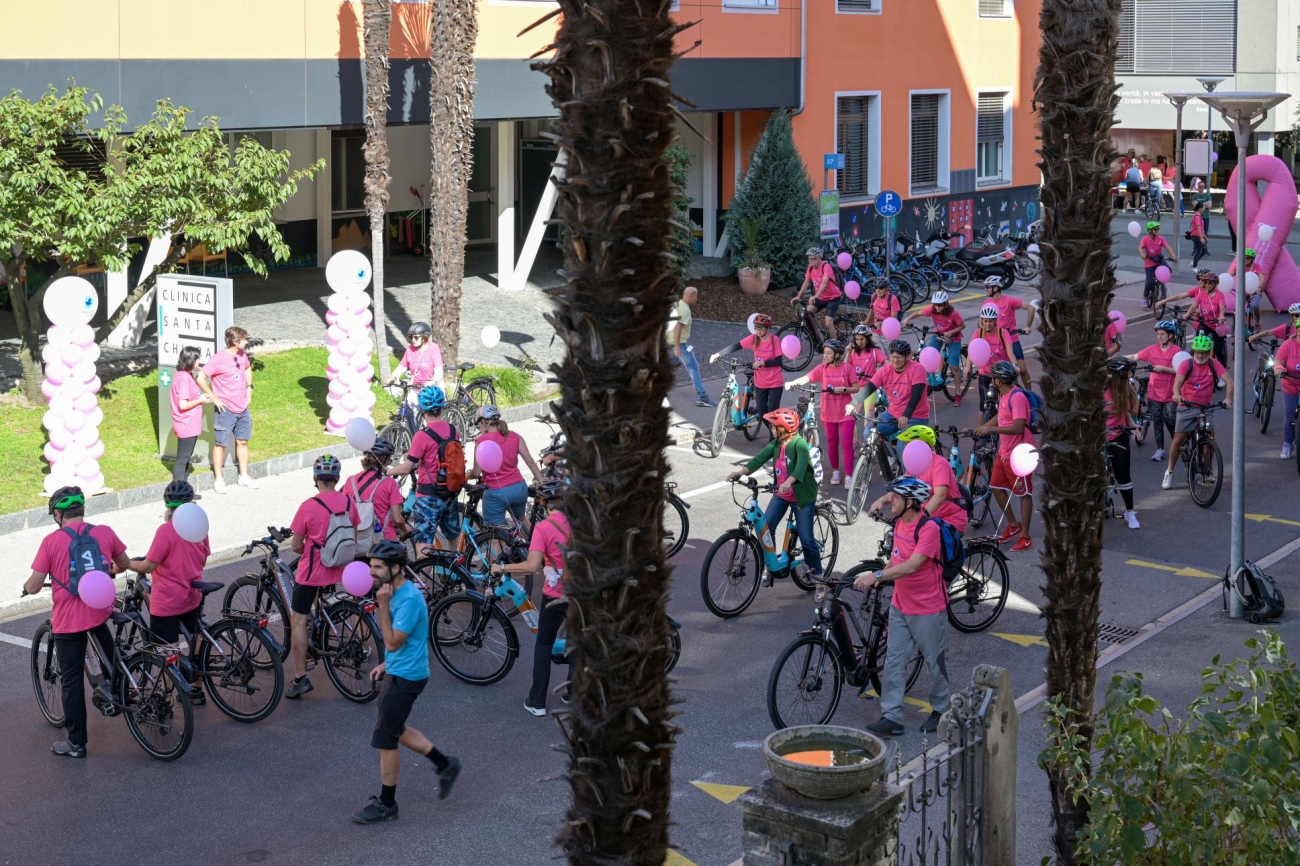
point(682, 241)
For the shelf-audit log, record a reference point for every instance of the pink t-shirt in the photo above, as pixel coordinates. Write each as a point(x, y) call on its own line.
point(1198, 226)
point(769, 352)
point(1151, 246)
point(898, 389)
point(815, 275)
point(509, 472)
point(1212, 306)
point(866, 363)
point(886, 307)
point(944, 322)
point(921, 592)
point(1112, 332)
point(1007, 307)
point(422, 363)
point(186, 422)
point(71, 614)
point(1287, 358)
point(1160, 387)
point(179, 563)
point(940, 474)
point(425, 452)
point(835, 376)
point(998, 342)
point(1282, 332)
point(1014, 405)
point(782, 473)
point(229, 375)
point(1114, 421)
point(311, 522)
point(382, 494)
point(1198, 386)
point(550, 536)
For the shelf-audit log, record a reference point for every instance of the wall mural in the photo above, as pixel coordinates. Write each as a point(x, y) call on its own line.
point(1012, 209)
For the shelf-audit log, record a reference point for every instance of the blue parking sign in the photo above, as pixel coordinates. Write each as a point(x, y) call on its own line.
point(889, 203)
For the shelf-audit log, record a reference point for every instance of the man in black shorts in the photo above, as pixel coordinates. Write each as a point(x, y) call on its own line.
point(826, 294)
point(404, 620)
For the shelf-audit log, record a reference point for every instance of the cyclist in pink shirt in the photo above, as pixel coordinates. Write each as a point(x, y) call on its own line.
point(1281, 332)
point(506, 488)
point(1152, 249)
point(863, 356)
point(1286, 363)
point(1209, 312)
point(945, 500)
point(1012, 428)
point(227, 378)
point(1194, 386)
point(768, 377)
point(946, 337)
point(1007, 307)
point(1121, 403)
point(422, 361)
point(884, 304)
point(903, 383)
point(839, 382)
point(1160, 387)
point(826, 295)
point(187, 410)
point(373, 485)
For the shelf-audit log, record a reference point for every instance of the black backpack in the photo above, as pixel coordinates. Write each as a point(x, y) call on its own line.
point(84, 556)
point(1258, 593)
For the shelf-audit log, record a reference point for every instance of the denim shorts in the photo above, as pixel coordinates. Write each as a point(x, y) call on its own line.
point(226, 422)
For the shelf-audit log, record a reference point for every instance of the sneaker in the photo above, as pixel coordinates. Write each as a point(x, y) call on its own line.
point(1025, 543)
point(68, 749)
point(536, 711)
point(447, 777)
point(297, 689)
point(886, 728)
point(1012, 530)
point(1158, 456)
point(1132, 518)
point(956, 401)
point(251, 484)
point(1168, 481)
point(835, 477)
point(930, 725)
point(706, 402)
point(1287, 451)
point(376, 812)
point(218, 484)
point(197, 698)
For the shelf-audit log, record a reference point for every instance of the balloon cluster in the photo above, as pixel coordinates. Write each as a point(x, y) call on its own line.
point(71, 383)
point(348, 339)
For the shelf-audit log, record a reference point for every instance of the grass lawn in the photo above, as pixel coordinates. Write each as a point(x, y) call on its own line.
point(289, 413)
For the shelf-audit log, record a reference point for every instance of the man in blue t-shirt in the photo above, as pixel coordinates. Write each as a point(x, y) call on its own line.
point(404, 620)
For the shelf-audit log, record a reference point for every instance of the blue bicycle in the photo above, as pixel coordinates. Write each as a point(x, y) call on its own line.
point(735, 408)
point(733, 568)
point(405, 424)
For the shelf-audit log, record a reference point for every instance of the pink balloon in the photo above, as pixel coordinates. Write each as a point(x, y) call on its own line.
point(930, 359)
point(917, 457)
point(853, 289)
point(358, 302)
point(74, 421)
point(52, 454)
point(331, 317)
point(979, 351)
point(49, 389)
point(364, 318)
point(357, 579)
point(95, 589)
point(71, 355)
point(95, 451)
point(1118, 318)
point(844, 260)
point(1024, 459)
point(890, 328)
point(94, 385)
point(339, 416)
point(1163, 274)
point(488, 456)
point(1214, 157)
point(82, 335)
point(790, 346)
point(57, 372)
point(338, 389)
point(334, 334)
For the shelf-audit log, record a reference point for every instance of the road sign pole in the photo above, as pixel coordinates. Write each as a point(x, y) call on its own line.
point(888, 205)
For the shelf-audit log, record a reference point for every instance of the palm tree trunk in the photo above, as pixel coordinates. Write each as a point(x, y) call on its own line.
point(609, 80)
point(454, 31)
point(378, 18)
point(1074, 94)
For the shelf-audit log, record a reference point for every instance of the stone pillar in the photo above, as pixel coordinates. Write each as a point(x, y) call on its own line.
point(784, 828)
point(988, 768)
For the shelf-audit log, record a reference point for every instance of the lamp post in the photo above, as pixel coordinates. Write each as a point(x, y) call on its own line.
point(1179, 99)
point(1244, 112)
point(1209, 83)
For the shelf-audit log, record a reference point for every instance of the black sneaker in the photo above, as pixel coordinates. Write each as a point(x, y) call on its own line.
point(297, 689)
point(376, 812)
point(930, 725)
point(886, 728)
point(197, 698)
point(447, 777)
point(67, 749)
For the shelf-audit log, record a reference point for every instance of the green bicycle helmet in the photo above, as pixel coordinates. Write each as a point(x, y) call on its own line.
point(66, 497)
point(1250, 253)
point(918, 433)
point(1202, 343)
point(1153, 226)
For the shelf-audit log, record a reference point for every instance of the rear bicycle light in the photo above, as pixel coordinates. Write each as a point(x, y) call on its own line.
point(263, 622)
point(172, 659)
point(368, 607)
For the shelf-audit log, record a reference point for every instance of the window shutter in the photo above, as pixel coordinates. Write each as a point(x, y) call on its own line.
point(88, 155)
point(857, 5)
point(1176, 37)
point(990, 123)
point(994, 8)
point(925, 139)
point(852, 139)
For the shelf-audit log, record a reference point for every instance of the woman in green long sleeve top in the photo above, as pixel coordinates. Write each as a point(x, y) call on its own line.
point(796, 486)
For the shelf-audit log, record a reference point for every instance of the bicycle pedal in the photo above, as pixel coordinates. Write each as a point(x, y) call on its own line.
point(310, 665)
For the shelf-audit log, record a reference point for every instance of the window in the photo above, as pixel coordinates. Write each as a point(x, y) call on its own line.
point(857, 5)
point(1155, 36)
point(929, 147)
point(991, 123)
point(348, 171)
point(749, 4)
point(995, 8)
point(853, 134)
point(83, 154)
point(1297, 43)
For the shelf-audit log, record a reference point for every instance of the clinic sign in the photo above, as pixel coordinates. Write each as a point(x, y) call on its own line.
point(192, 311)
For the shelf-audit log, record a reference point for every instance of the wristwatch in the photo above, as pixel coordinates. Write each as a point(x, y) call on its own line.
point(879, 575)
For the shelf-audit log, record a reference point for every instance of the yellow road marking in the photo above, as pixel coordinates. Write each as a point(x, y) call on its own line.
point(675, 859)
point(915, 702)
point(1021, 639)
point(1260, 518)
point(725, 793)
point(1181, 572)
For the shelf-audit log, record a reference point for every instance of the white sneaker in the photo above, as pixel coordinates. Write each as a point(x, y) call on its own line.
point(835, 476)
point(247, 481)
point(535, 710)
point(1287, 451)
point(218, 484)
point(1158, 456)
point(1168, 481)
point(1132, 518)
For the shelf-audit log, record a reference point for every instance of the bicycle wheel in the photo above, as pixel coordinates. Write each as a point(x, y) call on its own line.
point(1266, 403)
point(440, 576)
point(806, 682)
point(807, 347)
point(902, 288)
point(1025, 266)
point(721, 424)
point(921, 286)
point(859, 486)
point(1205, 472)
point(954, 275)
point(352, 647)
point(730, 586)
point(243, 676)
point(677, 525)
point(476, 397)
point(950, 389)
point(979, 490)
point(499, 546)
point(474, 647)
point(453, 416)
point(674, 645)
point(977, 595)
point(753, 424)
point(401, 439)
point(45, 676)
point(250, 595)
point(158, 711)
point(828, 538)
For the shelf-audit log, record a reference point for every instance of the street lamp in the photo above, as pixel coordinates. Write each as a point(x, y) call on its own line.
point(1210, 82)
point(1244, 112)
point(1179, 99)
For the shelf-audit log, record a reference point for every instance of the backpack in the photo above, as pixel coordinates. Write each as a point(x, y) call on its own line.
point(1036, 406)
point(84, 556)
point(449, 477)
point(952, 553)
point(340, 545)
point(369, 528)
point(1258, 593)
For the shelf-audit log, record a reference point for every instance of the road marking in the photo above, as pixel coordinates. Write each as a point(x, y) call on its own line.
point(15, 640)
point(1181, 572)
point(924, 706)
point(1021, 639)
point(725, 452)
point(1260, 518)
point(675, 859)
point(725, 793)
point(709, 488)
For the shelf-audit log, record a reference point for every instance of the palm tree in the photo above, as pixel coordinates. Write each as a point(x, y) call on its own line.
point(378, 18)
point(610, 83)
point(453, 31)
point(1074, 94)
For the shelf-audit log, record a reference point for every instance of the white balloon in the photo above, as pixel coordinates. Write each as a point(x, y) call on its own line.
point(358, 302)
point(71, 355)
point(59, 336)
point(361, 360)
point(74, 421)
point(72, 388)
point(90, 353)
point(335, 335)
point(367, 400)
point(84, 372)
point(50, 353)
point(336, 360)
point(86, 436)
point(1265, 233)
point(337, 388)
point(348, 272)
point(349, 401)
point(1134, 229)
point(365, 317)
point(490, 337)
point(1252, 282)
point(83, 336)
point(1179, 359)
point(190, 522)
point(345, 321)
point(61, 404)
point(360, 432)
point(337, 303)
point(71, 301)
point(93, 485)
point(95, 449)
point(57, 372)
point(347, 375)
point(75, 453)
point(95, 418)
point(85, 402)
point(367, 373)
point(750, 323)
point(1226, 282)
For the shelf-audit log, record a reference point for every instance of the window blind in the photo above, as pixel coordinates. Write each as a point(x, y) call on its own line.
point(857, 5)
point(995, 8)
point(1176, 37)
point(990, 122)
point(852, 138)
point(925, 139)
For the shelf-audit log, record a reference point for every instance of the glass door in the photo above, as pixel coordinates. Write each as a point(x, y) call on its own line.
point(480, 221)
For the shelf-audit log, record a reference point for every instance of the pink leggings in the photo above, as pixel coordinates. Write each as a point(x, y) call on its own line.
point(839, 435)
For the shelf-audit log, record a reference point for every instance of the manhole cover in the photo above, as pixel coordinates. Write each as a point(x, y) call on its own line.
point(1115, 634)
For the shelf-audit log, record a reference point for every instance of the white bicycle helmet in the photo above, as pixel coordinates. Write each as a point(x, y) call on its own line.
point(939, 298)
point(989, 311)
point(1294, 309)
point(994, 282)
point(911, 488)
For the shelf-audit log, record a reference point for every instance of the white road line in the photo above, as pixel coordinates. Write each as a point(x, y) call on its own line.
point(709, 488)
point(15, 640)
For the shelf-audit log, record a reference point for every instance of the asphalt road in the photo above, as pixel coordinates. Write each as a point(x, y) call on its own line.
point(281, 791)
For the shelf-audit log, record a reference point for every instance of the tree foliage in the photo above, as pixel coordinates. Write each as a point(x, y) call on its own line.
point(776, 191)
point(683, 239)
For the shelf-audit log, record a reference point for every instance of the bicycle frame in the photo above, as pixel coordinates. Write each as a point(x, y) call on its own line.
point(777, 562)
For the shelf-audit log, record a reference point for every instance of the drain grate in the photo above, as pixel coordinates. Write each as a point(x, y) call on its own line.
point(1115, 634)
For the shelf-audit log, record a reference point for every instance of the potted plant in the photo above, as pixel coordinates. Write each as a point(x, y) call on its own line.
point(755, 274)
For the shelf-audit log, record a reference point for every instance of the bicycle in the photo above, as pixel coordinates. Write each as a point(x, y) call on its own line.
point(808, 426)
point(401, 430)
point(733, 410)
point(472, 637)
point(1264, 386)
point(143, 684)
point(745, 552)
point(872, 449)
point(947, 374)
point(1142, 418)
point(1174, 312)
point(812, 336)
point(467, 399)
point(973, 475)
point(559, 650)
point(1204, 460)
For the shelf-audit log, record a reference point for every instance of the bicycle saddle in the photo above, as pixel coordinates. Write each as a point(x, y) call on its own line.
point(474, 488)
point(120, 618)
point(466, 365)
point(206, 586)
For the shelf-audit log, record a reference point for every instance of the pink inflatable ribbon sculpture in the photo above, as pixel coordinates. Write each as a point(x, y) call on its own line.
point(1277, 208)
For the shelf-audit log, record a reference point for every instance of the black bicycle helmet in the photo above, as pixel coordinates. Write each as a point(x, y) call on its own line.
point(1203, 273)
point(835, 346)
point(880, 282)
point(66, 497)
point(178, 493)
point(391, 552)
point(326, 466)
point(1005, 371)
point(419, 329)
point(551, 490)
point(383, 450)
point(901, 347)
point(1120, 365)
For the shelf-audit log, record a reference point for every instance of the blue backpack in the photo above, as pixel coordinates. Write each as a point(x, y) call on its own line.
point(952, 552)
point(1036, 406)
